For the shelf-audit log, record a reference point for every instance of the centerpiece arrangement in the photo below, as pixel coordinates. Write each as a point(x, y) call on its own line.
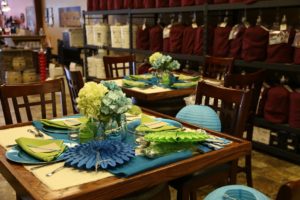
point(105, 105)
point(163, 64)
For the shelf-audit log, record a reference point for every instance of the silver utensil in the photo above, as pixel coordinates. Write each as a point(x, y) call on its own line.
point(54, 171)
point(42, 165)
point(35, 133)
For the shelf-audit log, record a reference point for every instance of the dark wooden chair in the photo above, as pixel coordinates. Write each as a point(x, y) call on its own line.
point(119, 66)
point(217, 67)
point(251, 81)
point(232, 106)
point(75, 83)
point(289, 191)
point(27, 96)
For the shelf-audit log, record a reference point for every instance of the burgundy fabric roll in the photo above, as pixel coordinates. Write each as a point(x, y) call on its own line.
point(281, 53)
point(200, 2)
point(103, 4)
point(96, 5)
point(297, 55)
point(249, 1)
point(236, 43)
point(294, 113)
point(143, 68)
point(149, 3)
point(187, 2)
point(277, 105)
point(127, 4)
point(220, 1)
point(142, 38)
point(188, 40)
point(255, 42)
point(262, 101)
point(198, 45)
point(89, 5)
point(176, 36)
point(166, 44)
point(138, 4)
point(156, 38)
point(174, 3)
point(161, 3)
point(110, 5)
point(236, 1)
point(221, 42)
point(118, 4)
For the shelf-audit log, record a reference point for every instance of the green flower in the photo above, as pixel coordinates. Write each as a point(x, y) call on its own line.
point(163, 62)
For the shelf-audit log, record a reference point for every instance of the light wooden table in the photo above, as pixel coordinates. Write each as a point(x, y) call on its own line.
point(28, 186)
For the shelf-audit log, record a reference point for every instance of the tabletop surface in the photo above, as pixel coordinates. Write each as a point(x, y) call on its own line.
point(27, 185)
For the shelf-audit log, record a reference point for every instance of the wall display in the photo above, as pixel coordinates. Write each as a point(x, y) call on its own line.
point(69, 16)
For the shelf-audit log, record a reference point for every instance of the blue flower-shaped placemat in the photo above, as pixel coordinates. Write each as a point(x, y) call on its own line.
point(99, 154)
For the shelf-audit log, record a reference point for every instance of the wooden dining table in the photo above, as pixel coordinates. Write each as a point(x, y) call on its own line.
point(27, 185)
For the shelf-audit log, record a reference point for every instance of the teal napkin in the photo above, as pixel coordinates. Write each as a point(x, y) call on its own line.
point(42, 149)
point(147, 119)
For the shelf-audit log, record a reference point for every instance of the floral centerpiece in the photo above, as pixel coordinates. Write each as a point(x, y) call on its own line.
point(163, 64)
point(104, 104)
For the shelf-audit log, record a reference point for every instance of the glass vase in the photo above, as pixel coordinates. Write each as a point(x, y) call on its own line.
point(165, 78)
point(115, 128)
point(91, 130)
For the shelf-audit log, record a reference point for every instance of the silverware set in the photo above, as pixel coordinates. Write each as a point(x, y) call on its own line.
point(36, 132)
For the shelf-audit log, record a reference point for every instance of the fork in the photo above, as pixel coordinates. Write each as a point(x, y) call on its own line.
point(35, 133)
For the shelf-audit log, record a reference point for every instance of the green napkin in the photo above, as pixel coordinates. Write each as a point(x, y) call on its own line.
point(66, 123)
point(183, 77)
point(147, 119)
point(130, 83)
point(185, 85)
point(141, 77)
point(42, 149)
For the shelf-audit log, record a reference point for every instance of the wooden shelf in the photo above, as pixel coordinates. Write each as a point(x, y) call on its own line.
point(261, 122)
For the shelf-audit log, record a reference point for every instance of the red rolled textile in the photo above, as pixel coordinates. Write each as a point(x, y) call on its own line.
point(277, 105)
point(103, 4)
point(96, 5)
point(174, 3)
point(118, 4)
point(161, 3)
point(200, 2)
point(198, 45)
point(166, 44)
point(156, 38)
point(249, 1)
point(143, 68)
point(138, 4)
point(188, 40)
point(236, 1)
point(236, 43)
point(262, 101)
point(149, 3)
point(90, 5)
point(283, 52)
point(142, 38)
point(187, 2)
point(220, 1)
point(297, 55)
point(294, 113)
point(221, 42)
point(255, 42)
point(127, 4)
point(110, 5)
point(176, 36)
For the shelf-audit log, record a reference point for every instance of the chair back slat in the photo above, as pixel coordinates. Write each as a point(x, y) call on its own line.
point(217, 67)
point(29, 93)
point(119, 66)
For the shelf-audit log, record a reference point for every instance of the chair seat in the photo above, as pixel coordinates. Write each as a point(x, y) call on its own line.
point(244, 192)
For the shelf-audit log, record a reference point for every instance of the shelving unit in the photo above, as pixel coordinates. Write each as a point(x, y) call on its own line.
point(205, 10)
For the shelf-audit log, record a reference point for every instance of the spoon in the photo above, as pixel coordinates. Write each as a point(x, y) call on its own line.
point(54, 171)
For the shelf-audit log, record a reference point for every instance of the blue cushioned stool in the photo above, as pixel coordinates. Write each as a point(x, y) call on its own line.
point(238, 192)
point(200, 115)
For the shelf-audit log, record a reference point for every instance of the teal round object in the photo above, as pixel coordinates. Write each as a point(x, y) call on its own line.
point(199, 115)
point(236, 192)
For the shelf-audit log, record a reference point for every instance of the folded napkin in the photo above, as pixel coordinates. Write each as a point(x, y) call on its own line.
point(185, 84)
point(141, 77)
point(130, 83)
point(66, 123)
point(42, 149)
point(183, 77)
point(144, 127)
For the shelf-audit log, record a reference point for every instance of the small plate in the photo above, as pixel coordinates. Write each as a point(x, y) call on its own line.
point(16, 154)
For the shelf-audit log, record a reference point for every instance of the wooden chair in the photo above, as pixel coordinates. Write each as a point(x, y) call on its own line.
point(119, 66)
point(217, 67)
point(232, 106)
point(75, 83)
point(289, 191)
point(28, 95)
point(251, 81)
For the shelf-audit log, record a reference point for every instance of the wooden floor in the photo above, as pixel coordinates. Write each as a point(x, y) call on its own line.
point(268, 174)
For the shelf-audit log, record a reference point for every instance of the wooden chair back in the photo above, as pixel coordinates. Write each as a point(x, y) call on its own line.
point(289, 191)
point(217, 67)
point(119, 66)
point(232, 106)
point(27, 96)
point(75, 83)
